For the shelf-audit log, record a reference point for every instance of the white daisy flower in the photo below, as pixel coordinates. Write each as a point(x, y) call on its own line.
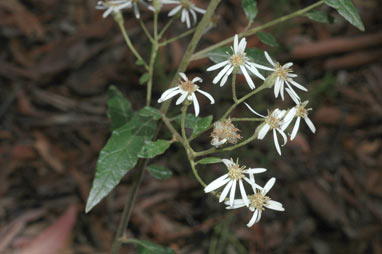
point(284, 76)
point(258, 202)
point(302, 112)
point(186, 7)
point(277, 120)
point(237, 60)
point(112, 6)
point(235, 174)
point(187, 90)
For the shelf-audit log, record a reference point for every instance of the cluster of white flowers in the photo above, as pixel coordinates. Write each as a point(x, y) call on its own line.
point(255, 202)
point(186, 7)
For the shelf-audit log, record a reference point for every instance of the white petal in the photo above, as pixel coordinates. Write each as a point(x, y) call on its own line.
point(290, 115)
point(217, 66)
point(277, 86)
point(207, 95)
point(292, 96)
point(194, 15)
point(232, 194)
point(268, 186)
point(258, 217)
point(184, 77)
point(253, 219)
point(262, 67)
point(282, 89)
point(283, 135)
point(247, 77)
point(298, 85)
point(252, 110)
point(287, 65)
point(181, 98)
point(252, 183)
point(225, 77)
point(217, 183)
point(263, 131)
point(236, 43)
point(183, 16)
point(276, 141)
point(255, 170)
point(169, 95)
point(221, 74)
point(136, 11)
point(168, 91)
point(295, 128)
point(188, 21)
point(242, 45)
point(197, 79)
point(274, 205)
point(174, 11)
point(199, 10)
point(253, 69)
point(237, 203)
point(223, 195)
point(196, 104)
point(243, 193)
point(269, 58)
point(107, 12)
point(227, 163)
point(310, 124)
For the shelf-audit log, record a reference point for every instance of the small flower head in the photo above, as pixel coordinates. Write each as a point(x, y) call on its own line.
point(186, 7)
point(236, 61)
point(284, 76)
point(236, 174)
point(258, 202)
point(186, 88)
point(302, 112)
point(224, 132)
point(112, 6)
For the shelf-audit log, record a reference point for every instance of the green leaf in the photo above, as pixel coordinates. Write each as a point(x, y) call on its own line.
point(320, 16)
point(159, 172)
point(150, 112)
point(197, 124)
point(220, 54)
point(144, 78)
point(268, 39)
point(139, 62)
point(154, 148)
point(147, 247)
point(347, 10)
point(209, 160)
point(119, 108)
point(119, 155)
point(250, 9)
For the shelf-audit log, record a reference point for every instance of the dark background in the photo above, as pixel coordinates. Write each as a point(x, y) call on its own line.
point(57, 60)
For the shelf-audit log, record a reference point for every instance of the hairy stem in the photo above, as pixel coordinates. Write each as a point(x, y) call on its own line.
point(144, 28)
point(203, 53)
point(234, 97)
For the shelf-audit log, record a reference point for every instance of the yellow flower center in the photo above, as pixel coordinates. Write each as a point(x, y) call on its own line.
point(282, 73)
point(272, 121)
point(237, 59)
point(235, 172)
point(301, 111)
point(188, 86)
point(185, 4)
point(258, 200)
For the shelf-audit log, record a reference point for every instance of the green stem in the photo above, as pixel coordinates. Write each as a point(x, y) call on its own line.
point(144, 28)
point(128, 42)
point(128, 206)
point(164, 29)
point(173, 130)
point(164, 43)
point(154, 52)
point(247, 119)
point(234, 97)
point(203, 53)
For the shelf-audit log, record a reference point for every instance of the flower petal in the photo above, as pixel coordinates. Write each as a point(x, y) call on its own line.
point(227, 163)
point(183, 76)
point(207, 95)
point(295, 128)
point(268, 186)
point(274, 205)
point(174, 11)
point(252, 110)
point(310, 124)
point(236, 44)
point(253, 219)
point(247, 77)
point(269, 58)
point(181, 98)
point(217, 183)
point(217, 66)
point(243, 193)
point(255, 170)
point(276, 141)
point(196, 104)
point(263, 131)
point(223, 195)
point(232, 194)
point(221, 74)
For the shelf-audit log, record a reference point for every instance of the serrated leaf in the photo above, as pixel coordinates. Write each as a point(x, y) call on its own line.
point(147, 247)
point(154, 148)
point(320, 16)
point(347, 10)
point(144, 78)
point(210, 160)
point(197, 124)
point(220, 54)
point(250, 9)
point(119, 108)
point(119, 155)
point(159, 172)
point(268, 39)
point(150, 112)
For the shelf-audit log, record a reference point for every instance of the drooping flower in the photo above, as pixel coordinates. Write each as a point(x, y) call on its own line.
point(302, 112)
point(284, 75)
point(236, 174)
point(186, 7)
point(277, 121)
point(113, 6)
point(224, 132)
point(186, 89)
point(238, 60)
point(258, 202)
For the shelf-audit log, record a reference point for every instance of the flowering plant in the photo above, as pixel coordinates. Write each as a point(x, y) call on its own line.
point(135, 139)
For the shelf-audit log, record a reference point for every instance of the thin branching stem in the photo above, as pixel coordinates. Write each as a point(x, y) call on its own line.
point(164, 43)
